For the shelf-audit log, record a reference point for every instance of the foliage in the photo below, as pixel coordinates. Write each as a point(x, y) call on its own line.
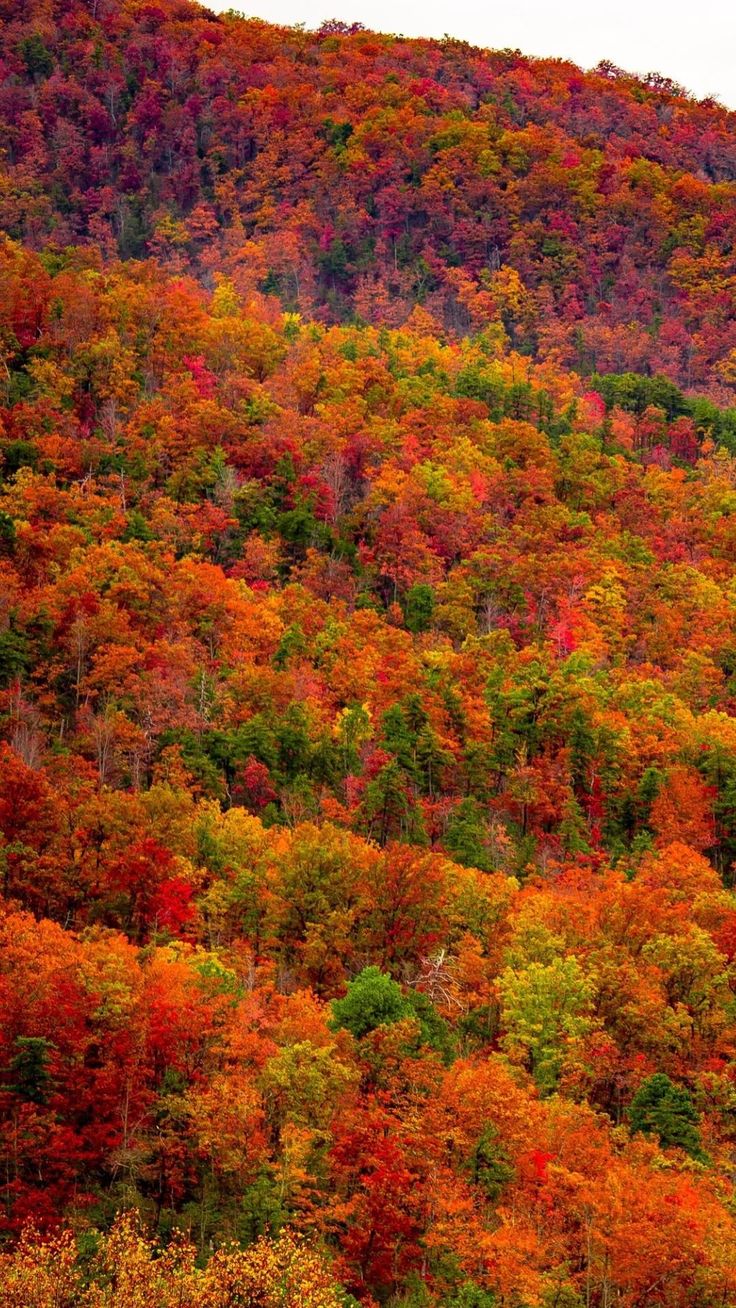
point(667, 1111)
point(372, 999)
point(367, 671)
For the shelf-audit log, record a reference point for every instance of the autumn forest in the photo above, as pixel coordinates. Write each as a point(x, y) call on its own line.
point(367, 671)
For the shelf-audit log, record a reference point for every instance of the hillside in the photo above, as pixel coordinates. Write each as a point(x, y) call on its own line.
point(355, 173)
point(367, 673)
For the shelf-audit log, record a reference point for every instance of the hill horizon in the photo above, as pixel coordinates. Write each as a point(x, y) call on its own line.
point(526, 31)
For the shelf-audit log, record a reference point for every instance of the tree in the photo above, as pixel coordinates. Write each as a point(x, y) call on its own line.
point(546, 1007)
point(127, 1268)
point(372, 999)
point(418, 607)
point(666, 1110)
point(30, 1074)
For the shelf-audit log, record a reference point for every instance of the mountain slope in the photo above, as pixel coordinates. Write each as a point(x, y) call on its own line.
point(356, 173)
point(367, 674)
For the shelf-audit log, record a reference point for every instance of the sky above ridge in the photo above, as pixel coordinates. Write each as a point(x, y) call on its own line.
point(693, 43)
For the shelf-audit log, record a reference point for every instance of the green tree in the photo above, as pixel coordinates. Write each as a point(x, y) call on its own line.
point(389, 810)
point(38, 60)
point(666, 1110)
point(466, 838)
point(15, 654)
point(545, 1007)
point(372, 999)
point(419, 607)
point(489, 1165)
point(29, 1069)
point(471, 1295)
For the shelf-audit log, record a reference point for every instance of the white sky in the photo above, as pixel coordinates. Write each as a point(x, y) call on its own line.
point(691, 41)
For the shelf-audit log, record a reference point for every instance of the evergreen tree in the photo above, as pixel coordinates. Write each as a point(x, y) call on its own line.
point(664, 1109)
point(372, 999)
point(29, 1069)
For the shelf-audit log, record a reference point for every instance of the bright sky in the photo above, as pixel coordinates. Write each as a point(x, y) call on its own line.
point(691, 41)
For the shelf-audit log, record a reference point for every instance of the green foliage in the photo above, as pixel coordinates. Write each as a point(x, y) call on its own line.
point(471, 1295)
point(466, 838)
point(666, 1110)
point(18, 454)
point(137, 528)
point(635, 393)
point(433, 1030)
point(546, 1006)
point(37, 58)
point(489, 1166)
point(389, 809)
point(30, 1072)
point(418, 607)
point(15, 654)
point(372, 999)
point(7, 531)
point(262, 1210)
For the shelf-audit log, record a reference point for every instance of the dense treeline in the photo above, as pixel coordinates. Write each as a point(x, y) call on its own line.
point(354, 173)
point(367, 674)
point(368, 794)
